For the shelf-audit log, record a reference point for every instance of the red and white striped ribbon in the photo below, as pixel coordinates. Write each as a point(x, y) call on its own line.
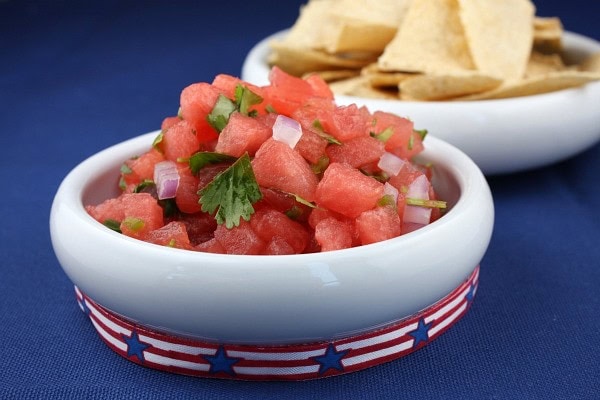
point(165, 352)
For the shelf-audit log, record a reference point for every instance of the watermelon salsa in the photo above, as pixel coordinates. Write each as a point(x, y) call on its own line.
point(276, 169)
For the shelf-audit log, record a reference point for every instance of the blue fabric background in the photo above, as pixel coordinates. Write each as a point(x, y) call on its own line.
point(76, 77)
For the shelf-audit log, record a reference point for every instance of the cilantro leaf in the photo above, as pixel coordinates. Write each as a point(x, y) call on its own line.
point(201, 159)
point(321, 165)
point(134, 223)
point(386, 200)
point(113, 224)
point(384, 135)
point(157, 141)
point(219, 116)
point(321, 132)
point(421, 132)
point(426, 203)
point(245, 98)
point(224, 107)
point(145, 186)
point(231, 194)
point(125, 169)
point(169, 207)
point(303, 201)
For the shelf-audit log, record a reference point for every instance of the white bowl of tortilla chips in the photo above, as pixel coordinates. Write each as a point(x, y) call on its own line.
point(513, 90)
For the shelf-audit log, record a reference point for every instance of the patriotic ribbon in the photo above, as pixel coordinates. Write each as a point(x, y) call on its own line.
point(185, 356)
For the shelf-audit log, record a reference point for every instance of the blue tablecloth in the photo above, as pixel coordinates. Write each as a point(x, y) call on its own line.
point(76, 77)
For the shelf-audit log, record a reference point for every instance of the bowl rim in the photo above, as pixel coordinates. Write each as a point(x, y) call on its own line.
point(468, 176)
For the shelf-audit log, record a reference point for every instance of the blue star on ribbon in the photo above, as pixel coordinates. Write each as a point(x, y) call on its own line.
point(421, 334)
point(332, 359)
point(471, 293)
point(134, 346)
point(221, 362)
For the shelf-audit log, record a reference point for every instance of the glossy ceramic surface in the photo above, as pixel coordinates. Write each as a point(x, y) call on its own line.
point(270, 299)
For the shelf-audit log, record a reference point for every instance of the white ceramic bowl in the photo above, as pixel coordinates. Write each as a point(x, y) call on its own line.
point(270, 299)
point(501, 136)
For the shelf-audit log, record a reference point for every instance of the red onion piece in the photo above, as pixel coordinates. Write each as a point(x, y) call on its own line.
point(166, 178)
point(418, 189)
point(390, 163)
point(287, 130)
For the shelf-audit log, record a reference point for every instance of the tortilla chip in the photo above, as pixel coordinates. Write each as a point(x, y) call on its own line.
point(591, 63)
point(388, 79)
point(364, 25)
point(550, 82)
point(546, 24)
point(359, 86)
point(431, 49)
point(541, 64)
point(499, 35)
point(335, 75)
point(443, 87)
point(310, 27)
point(547, 34)
point(382, 79)
point(360, 36)
point(339, 26)
point(301, 60)
point(430, 40)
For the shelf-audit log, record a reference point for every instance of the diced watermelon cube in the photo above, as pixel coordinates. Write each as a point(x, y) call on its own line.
point(315, 113)
point(332, 234)
point(278, 246)
point(378, 224)
point(169, 122)
point(137, 213)
point(186, 196)
point(278, 166)
point(179, 141)
point(356, 152)
point(211, 246)
point(109, 209)
point(282, 84)
point(226, 84)
point(349, 122)
point(140, 168)
point(142, 214)
point(319, 87)
point(173, 234)
point(270, 223)
point(318, 214)
point(311, 146)
point(240, 239)
point(404, 141)
point(347, 191)
point(197, 101)
point(242, 134)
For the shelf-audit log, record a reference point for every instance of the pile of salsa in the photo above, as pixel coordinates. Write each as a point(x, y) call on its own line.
point(275, 169)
